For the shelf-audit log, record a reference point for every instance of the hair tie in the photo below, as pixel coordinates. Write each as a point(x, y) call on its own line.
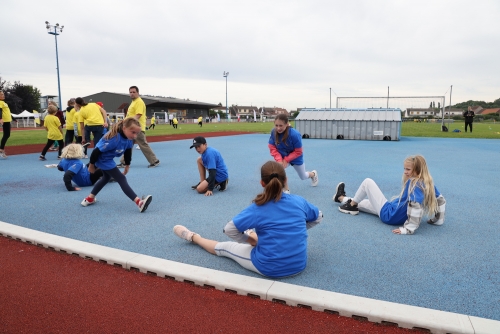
point(273, 175)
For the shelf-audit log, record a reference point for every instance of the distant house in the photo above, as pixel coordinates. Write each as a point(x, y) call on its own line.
point(421, 112)
point(477, 109)
point(489, 111)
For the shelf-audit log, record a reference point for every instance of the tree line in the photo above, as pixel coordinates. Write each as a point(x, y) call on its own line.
point(20, 97)
point(485, 105)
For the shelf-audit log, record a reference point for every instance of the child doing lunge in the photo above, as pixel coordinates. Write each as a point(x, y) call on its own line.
point(54, 132)
point(285, 145)
point(75, 170)
point(278, 246)
point(418, 196)
point(118, 141)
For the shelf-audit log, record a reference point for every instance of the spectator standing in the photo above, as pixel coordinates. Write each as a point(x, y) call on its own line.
point(5, 119)
point(469, 118)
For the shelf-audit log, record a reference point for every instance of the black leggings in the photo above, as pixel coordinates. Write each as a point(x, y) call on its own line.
point(94, 177)
point(49, 144)
point(119, 177)
point(152, 126)
point(470, 126)
point(70, 136)
point(6, 134)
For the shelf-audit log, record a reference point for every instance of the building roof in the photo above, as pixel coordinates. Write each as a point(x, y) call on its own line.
point(490, 111)
point(164, 101)
point(350, 114)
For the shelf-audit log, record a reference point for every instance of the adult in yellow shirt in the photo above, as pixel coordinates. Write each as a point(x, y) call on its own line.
point(175, 122)
point(153, 120)
point(94, 120)
point(200, 121)
point(137, 110)
point(70, 122)
point(54, 132)
point(5, 119)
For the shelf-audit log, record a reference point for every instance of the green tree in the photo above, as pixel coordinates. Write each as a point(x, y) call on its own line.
point(29, 95)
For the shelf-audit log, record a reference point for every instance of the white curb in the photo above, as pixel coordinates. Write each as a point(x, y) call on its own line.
point(405, 316)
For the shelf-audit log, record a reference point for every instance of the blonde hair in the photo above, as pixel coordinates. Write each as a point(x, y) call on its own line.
point(118, 127)
point(52, 109)
point(421, 178)
point(72, 151)
point(274, 177)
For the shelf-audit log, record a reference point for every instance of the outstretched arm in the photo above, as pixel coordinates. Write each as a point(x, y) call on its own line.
point(415, 213)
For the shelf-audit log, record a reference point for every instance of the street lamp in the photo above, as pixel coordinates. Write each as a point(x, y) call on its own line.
point(225, 74)
point(56, 30)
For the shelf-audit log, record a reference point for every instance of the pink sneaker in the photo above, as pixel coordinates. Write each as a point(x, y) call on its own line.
point(183, 233)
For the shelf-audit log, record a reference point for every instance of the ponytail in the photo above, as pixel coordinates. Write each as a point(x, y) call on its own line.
point(274, 177)
point(118, 127)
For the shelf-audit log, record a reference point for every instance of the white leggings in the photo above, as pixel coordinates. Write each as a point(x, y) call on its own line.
point(369, 197)
point(301, 171)
point(241, 253)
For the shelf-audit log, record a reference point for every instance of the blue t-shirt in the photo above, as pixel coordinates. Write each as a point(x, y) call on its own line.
point(110, 148)
point(293, 141)
point(395, 212)
point(281, 226)
point(82, 174)
point(212, 159)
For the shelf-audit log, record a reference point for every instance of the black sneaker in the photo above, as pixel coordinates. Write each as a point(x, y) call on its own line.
point(348, 208)
point(86, 144)
point(339, 192)
point(42, 158)
point(120, 165)
point(154, 164)
point(195, 186)
point(223, 185)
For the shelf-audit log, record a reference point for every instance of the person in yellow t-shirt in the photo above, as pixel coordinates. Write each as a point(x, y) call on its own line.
point(54, 132)
point(175, 122)
point(200, 121)
point(137, 110)
point(94, 120)
point(70, 122)
point(153, 125)
point(5, 119)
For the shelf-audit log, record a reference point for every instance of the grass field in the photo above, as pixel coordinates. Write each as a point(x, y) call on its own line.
point(408, 129)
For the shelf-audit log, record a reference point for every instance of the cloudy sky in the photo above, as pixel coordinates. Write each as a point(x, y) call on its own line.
point(278, 53)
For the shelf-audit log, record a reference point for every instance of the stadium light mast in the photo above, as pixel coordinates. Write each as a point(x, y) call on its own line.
point(56, 30)
point(225, 74)
point(330, 98)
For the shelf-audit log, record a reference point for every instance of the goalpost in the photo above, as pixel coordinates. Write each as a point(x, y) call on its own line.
point(412, 106)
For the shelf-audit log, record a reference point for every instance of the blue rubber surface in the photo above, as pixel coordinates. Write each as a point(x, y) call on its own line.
point(454, 267)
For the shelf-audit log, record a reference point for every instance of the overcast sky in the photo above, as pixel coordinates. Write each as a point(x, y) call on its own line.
point(278, 53)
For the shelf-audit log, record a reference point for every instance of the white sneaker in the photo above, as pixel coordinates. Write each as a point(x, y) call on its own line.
point(144, 203)
point(286, 191)
point(314, 179)
point(3, 155)
point(137, 147)
point(183, 233)
point(87, 203)
point(85, 156)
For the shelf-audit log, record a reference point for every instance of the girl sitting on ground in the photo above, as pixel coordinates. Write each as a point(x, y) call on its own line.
point(418, 196)
point(119, 140)
point(279, 220)
point(75, 170)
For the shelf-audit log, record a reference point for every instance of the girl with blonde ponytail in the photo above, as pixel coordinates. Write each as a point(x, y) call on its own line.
point(280, 221)
point(418, 196)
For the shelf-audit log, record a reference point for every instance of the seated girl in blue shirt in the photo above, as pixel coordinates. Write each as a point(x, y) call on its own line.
point(75, 170)
point(418, 196)
point(280, 221)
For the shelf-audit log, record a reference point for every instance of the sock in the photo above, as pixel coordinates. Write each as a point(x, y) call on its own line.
point(137, 201)
point(89, 199)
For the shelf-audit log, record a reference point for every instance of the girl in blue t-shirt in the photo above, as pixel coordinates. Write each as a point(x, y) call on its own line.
point(117, 142)
point(279, 220)
point(285, 145)
point(75, 170)
point(418, 196)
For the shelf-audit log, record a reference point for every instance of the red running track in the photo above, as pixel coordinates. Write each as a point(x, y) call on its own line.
point(42, 291)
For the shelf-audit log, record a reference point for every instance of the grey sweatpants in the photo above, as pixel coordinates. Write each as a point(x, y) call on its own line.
point(145, 148)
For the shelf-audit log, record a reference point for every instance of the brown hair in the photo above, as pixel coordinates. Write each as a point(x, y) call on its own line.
point(80, 102)
point(274, 177)
point(52, 109)
point(284, 119)
point(118, 127)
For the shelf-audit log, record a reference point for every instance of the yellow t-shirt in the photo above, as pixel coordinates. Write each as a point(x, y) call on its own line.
point(153, 120)
point(91, 114)
point(175, 120)
point(70, 116)
point(78, 118)
point(138, 107)
point(200, 119)
point(52, 123)
point(6, 116)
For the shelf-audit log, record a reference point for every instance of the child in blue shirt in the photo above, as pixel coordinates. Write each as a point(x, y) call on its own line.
point(75, 170)
point(210, 160)
point(271, 234)
point(418, 196)
point(285, 144)
point(117, 142)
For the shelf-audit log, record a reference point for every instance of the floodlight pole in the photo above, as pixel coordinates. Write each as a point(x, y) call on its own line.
point(56, 31)
point(330, 98)
point(449, 110)
point(387, 97)
point(225, 74)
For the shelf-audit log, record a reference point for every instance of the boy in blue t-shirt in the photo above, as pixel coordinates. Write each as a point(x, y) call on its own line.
point(210, 160)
